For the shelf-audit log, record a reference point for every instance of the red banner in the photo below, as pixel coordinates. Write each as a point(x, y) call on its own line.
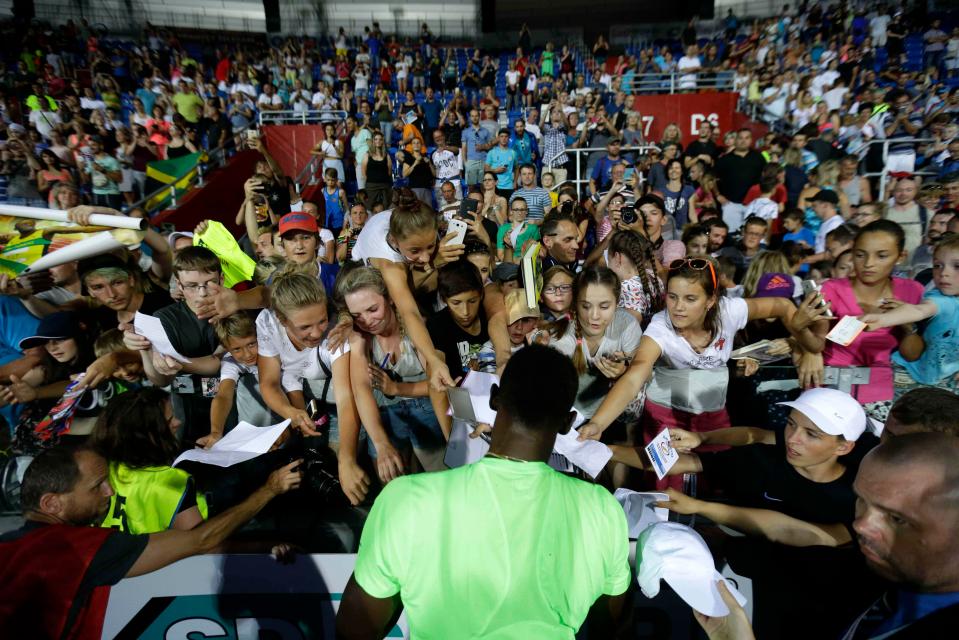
point(687, 111)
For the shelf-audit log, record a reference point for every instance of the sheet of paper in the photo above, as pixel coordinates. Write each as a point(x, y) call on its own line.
point(639, 509)
point(661, 454)
point(243, 443)
point(152, 329)
point(846, 330)
point(461, 449)
point(478, 384)
point(590, 455)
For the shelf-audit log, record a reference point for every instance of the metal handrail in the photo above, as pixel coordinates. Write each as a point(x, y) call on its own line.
point(883, 174)
point(580, 179)
point(214, 155)
point(308, 174)
point(303, 117)
point(676, 81)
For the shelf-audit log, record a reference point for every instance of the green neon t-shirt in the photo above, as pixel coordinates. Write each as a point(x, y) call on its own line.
point(495, 549)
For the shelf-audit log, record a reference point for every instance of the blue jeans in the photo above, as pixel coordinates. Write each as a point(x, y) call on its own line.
point(411, 423)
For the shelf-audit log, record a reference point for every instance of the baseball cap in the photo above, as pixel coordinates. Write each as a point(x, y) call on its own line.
point(675, 553)
point(505, 272)
point(56, 326)
point(102, 261)
point(176, 235)
point(775, 285)
point(516, 307)
point(834, 412)
point(298, 222)
point(826, 195)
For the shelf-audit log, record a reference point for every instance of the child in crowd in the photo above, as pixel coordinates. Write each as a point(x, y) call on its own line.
point(238, 397)
point(764, 206)
point(631, 258)
point(556, 298)
point(796, 231)
point(938, 365)
point(522, 321)
point(127, 365)
point(460, 329)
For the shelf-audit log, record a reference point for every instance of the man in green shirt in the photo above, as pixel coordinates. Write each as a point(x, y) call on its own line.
point(505, 547)
point(188, 104)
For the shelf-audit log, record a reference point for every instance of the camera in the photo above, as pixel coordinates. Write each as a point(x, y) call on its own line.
point(628, 215)
point(320, 466)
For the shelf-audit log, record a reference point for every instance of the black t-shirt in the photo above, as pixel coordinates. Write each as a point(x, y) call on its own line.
point(192, 394)
point(737, 173)
point(457, 345)
point(698, 148)
point(759, 476)
point(279, 197)
point(421, 177)
point(155, 300)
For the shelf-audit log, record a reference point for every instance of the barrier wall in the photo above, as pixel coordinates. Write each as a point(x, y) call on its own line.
point(688, 110)
point(290, 144)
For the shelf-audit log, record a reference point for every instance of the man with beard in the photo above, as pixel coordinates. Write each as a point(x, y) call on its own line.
point(938, 226)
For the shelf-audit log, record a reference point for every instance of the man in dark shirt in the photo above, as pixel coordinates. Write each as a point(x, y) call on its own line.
point(560, 239)
point(56, 571)
point(194, 384)
point(737, 171)
point(703, 148)
point(749, 246)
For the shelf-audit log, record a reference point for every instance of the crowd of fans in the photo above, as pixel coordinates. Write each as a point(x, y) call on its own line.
point(448, 190)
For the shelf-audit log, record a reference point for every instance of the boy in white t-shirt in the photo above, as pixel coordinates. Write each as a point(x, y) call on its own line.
point(239, 380)
point(764, 206)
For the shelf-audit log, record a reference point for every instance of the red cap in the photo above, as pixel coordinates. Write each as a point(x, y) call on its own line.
point(298, 222)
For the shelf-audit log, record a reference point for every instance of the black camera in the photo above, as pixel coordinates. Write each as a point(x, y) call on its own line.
point(628, 214)
point(320, 465)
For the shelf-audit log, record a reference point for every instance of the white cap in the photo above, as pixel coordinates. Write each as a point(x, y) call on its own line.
point(176, 235)
point(675, 553)
point(834, 412)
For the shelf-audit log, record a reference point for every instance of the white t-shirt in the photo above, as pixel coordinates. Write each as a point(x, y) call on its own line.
point(230, 369)
point(622, 334)
point(677, 352)
point(274, 100)
point(296, 364)
point(243, 87)
point(826, 227)
point(512, 78)
point(325, 236)
point(371, 243)
point(447, 165)
point(686, 65)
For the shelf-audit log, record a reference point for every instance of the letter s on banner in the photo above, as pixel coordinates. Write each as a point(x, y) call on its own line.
point(185, 629)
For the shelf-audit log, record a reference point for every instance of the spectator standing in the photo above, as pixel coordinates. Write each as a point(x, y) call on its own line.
point(736, 172)
point(476, 142)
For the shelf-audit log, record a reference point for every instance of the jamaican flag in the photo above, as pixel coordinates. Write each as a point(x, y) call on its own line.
point(179, 172)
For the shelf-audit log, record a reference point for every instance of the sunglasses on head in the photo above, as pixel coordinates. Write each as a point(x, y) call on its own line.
point(697, 264)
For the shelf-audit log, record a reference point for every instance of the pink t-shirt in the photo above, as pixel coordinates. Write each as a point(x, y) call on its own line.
point(870, 348)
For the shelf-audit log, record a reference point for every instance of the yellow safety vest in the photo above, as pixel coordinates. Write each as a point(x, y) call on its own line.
point(146, 500)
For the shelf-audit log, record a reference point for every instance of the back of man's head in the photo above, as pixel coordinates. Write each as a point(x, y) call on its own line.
point(925, 409)
point(52, 471)
point(538, 388)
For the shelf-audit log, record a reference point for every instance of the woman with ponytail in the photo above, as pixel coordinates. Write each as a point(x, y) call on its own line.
point(688, 344)
point(631, 258)
point(600, 337)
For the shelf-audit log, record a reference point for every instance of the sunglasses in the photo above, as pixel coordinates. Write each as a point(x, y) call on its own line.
point(698, 264)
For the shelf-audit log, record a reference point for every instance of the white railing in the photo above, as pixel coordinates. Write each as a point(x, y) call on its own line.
point(311, 116)
point(678, 81)
point(578, 176)
point(883, 174)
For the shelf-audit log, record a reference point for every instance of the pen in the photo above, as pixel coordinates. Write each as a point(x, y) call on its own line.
point(386, 360)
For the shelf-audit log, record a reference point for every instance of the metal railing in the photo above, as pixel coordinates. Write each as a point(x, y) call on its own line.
point(883, 174)
point(579, 177)
point(216, 158)
point(679, 81)
point(308, 175)
point(311, 116)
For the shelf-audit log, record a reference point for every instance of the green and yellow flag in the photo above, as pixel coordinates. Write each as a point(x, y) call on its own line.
point(179, 172)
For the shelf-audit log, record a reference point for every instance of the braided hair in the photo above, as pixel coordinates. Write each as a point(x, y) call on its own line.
point(639, 250)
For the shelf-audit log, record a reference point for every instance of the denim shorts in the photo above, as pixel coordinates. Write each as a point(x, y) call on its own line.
point(411, 423)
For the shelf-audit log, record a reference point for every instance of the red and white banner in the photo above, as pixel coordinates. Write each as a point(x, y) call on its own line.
point(687, 111)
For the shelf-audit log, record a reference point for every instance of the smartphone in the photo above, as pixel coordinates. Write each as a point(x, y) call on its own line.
point(252, 135)
point(459, 228)
point(468, 207)
point(628, 175)
point(810, 286)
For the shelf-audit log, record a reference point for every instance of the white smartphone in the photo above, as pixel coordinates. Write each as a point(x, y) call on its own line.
point(459, 228)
